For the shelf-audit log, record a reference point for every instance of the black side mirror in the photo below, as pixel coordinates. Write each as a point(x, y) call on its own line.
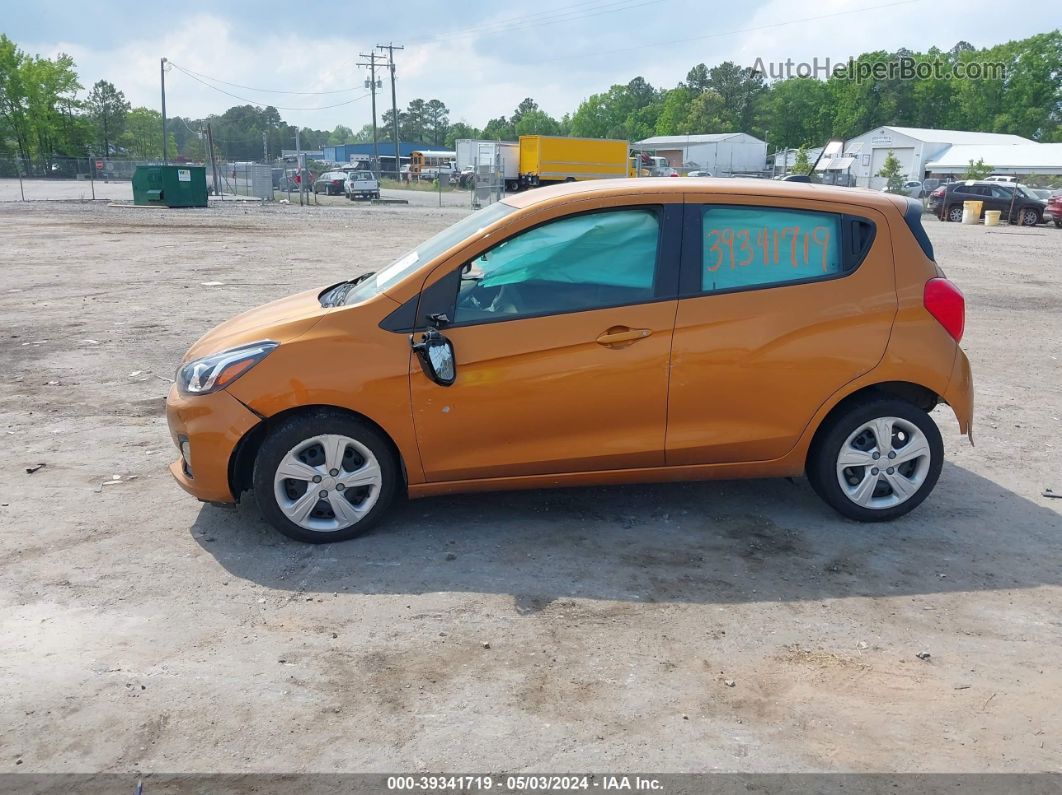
point(436, 355)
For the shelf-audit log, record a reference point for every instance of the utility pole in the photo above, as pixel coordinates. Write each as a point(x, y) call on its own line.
point(162, 76)
point(391, 47)
point(265, 147)
point(213, 165)
point(372, 87)
point(298, 166)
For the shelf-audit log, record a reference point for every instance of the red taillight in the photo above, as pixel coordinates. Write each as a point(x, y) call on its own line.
point(938, 192)
point(946, 303)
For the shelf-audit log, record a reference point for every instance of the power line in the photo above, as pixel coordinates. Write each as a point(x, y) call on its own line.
point(192, 72)
point(722, 33)
point(262, 104)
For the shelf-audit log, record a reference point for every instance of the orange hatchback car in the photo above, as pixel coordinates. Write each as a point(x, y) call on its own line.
point(602, 332)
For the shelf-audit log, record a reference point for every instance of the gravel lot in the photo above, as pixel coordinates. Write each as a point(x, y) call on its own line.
point(589, 629)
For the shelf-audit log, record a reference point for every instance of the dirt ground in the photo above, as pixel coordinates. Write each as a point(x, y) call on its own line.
point(588, 629)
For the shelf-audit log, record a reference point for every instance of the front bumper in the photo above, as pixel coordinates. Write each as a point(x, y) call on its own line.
point(212, 425)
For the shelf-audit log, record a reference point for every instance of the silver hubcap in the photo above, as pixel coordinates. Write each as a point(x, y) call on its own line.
point(883, 463)
point(1030, 218)
point(327, 483)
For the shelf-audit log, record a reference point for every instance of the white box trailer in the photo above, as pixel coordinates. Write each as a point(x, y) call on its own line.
point(484, 157)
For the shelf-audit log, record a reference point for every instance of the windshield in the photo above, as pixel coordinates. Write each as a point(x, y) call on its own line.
point(427, 251)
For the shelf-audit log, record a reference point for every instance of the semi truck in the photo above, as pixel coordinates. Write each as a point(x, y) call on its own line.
point(548, 159)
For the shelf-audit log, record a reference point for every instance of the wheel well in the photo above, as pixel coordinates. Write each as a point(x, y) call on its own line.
point(241, 463)
point(916, 394)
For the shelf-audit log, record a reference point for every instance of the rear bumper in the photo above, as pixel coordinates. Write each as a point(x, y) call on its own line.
point(960, 393)
point(212, 425)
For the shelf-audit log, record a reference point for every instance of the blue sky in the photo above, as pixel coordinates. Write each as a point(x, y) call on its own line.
point(481, 58)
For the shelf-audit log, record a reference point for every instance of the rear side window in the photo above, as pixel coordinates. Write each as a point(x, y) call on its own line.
point(746, 247)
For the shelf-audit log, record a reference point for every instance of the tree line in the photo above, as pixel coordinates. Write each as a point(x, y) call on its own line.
point(45, 112)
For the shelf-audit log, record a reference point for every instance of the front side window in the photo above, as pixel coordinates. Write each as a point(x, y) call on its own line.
point(587, 261)
point(746, 247)
point(402, 267)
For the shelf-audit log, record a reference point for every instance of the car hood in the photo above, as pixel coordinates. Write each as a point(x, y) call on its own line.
point(282, 321)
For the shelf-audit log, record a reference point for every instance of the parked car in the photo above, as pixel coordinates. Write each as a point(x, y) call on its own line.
point(1054, 207)
point(946, 202)
point(912, 188)
point(563, 336)
point(330, 183)
point(699, 174)
point(361, 185)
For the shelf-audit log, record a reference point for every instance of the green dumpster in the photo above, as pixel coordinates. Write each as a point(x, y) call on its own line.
point(170, 186)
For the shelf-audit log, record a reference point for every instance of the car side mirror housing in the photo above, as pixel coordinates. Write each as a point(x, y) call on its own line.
point(436, 356)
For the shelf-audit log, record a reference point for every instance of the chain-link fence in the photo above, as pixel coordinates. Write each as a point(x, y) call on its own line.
point(71, 178)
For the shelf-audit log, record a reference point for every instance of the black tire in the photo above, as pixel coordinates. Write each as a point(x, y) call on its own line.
point(1028, 217)
point(955, 208)
point(1058, 223)
point(291, 432)
point(822, 458)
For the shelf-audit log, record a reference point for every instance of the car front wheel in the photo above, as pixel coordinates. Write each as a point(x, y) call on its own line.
point(1029, 217)
point(324, 476)
point(876, 459)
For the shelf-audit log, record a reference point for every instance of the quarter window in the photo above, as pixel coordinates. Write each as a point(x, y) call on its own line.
point(587, 261)
point(751, 246)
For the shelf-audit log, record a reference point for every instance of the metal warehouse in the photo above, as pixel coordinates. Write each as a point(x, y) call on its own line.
point(722, 154)
point(1004, 159)
point(916, 148)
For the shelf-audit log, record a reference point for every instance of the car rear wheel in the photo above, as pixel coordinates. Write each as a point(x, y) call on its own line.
point(1029, 217)
point(955, 213)
point(324, 477)
point(876, 460)
point(1058, 223)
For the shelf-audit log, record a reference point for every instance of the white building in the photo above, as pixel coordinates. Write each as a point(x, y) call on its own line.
point(1002, 158)
point(720, 153)
point(915, 148)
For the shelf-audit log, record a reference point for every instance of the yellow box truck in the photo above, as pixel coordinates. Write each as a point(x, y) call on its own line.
point(547, 159)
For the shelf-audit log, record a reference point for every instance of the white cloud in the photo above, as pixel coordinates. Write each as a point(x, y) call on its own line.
point(482, 76)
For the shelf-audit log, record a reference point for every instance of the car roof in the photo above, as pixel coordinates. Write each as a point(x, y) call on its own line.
point(720, 188)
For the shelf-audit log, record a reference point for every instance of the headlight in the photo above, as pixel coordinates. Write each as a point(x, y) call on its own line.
point(217, 371)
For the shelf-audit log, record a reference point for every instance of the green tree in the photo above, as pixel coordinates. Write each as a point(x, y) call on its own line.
point(974, 170)
point(673, 118)
point(526, 106)
point(342, 135)
point(891, 170)
point(142, 137)
point(537, 122)
point(797, 112)
point(499, 129)
point(802, 162)
point(459, 130)
point(709, 113)
point(107, 107)
point(436, 121)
